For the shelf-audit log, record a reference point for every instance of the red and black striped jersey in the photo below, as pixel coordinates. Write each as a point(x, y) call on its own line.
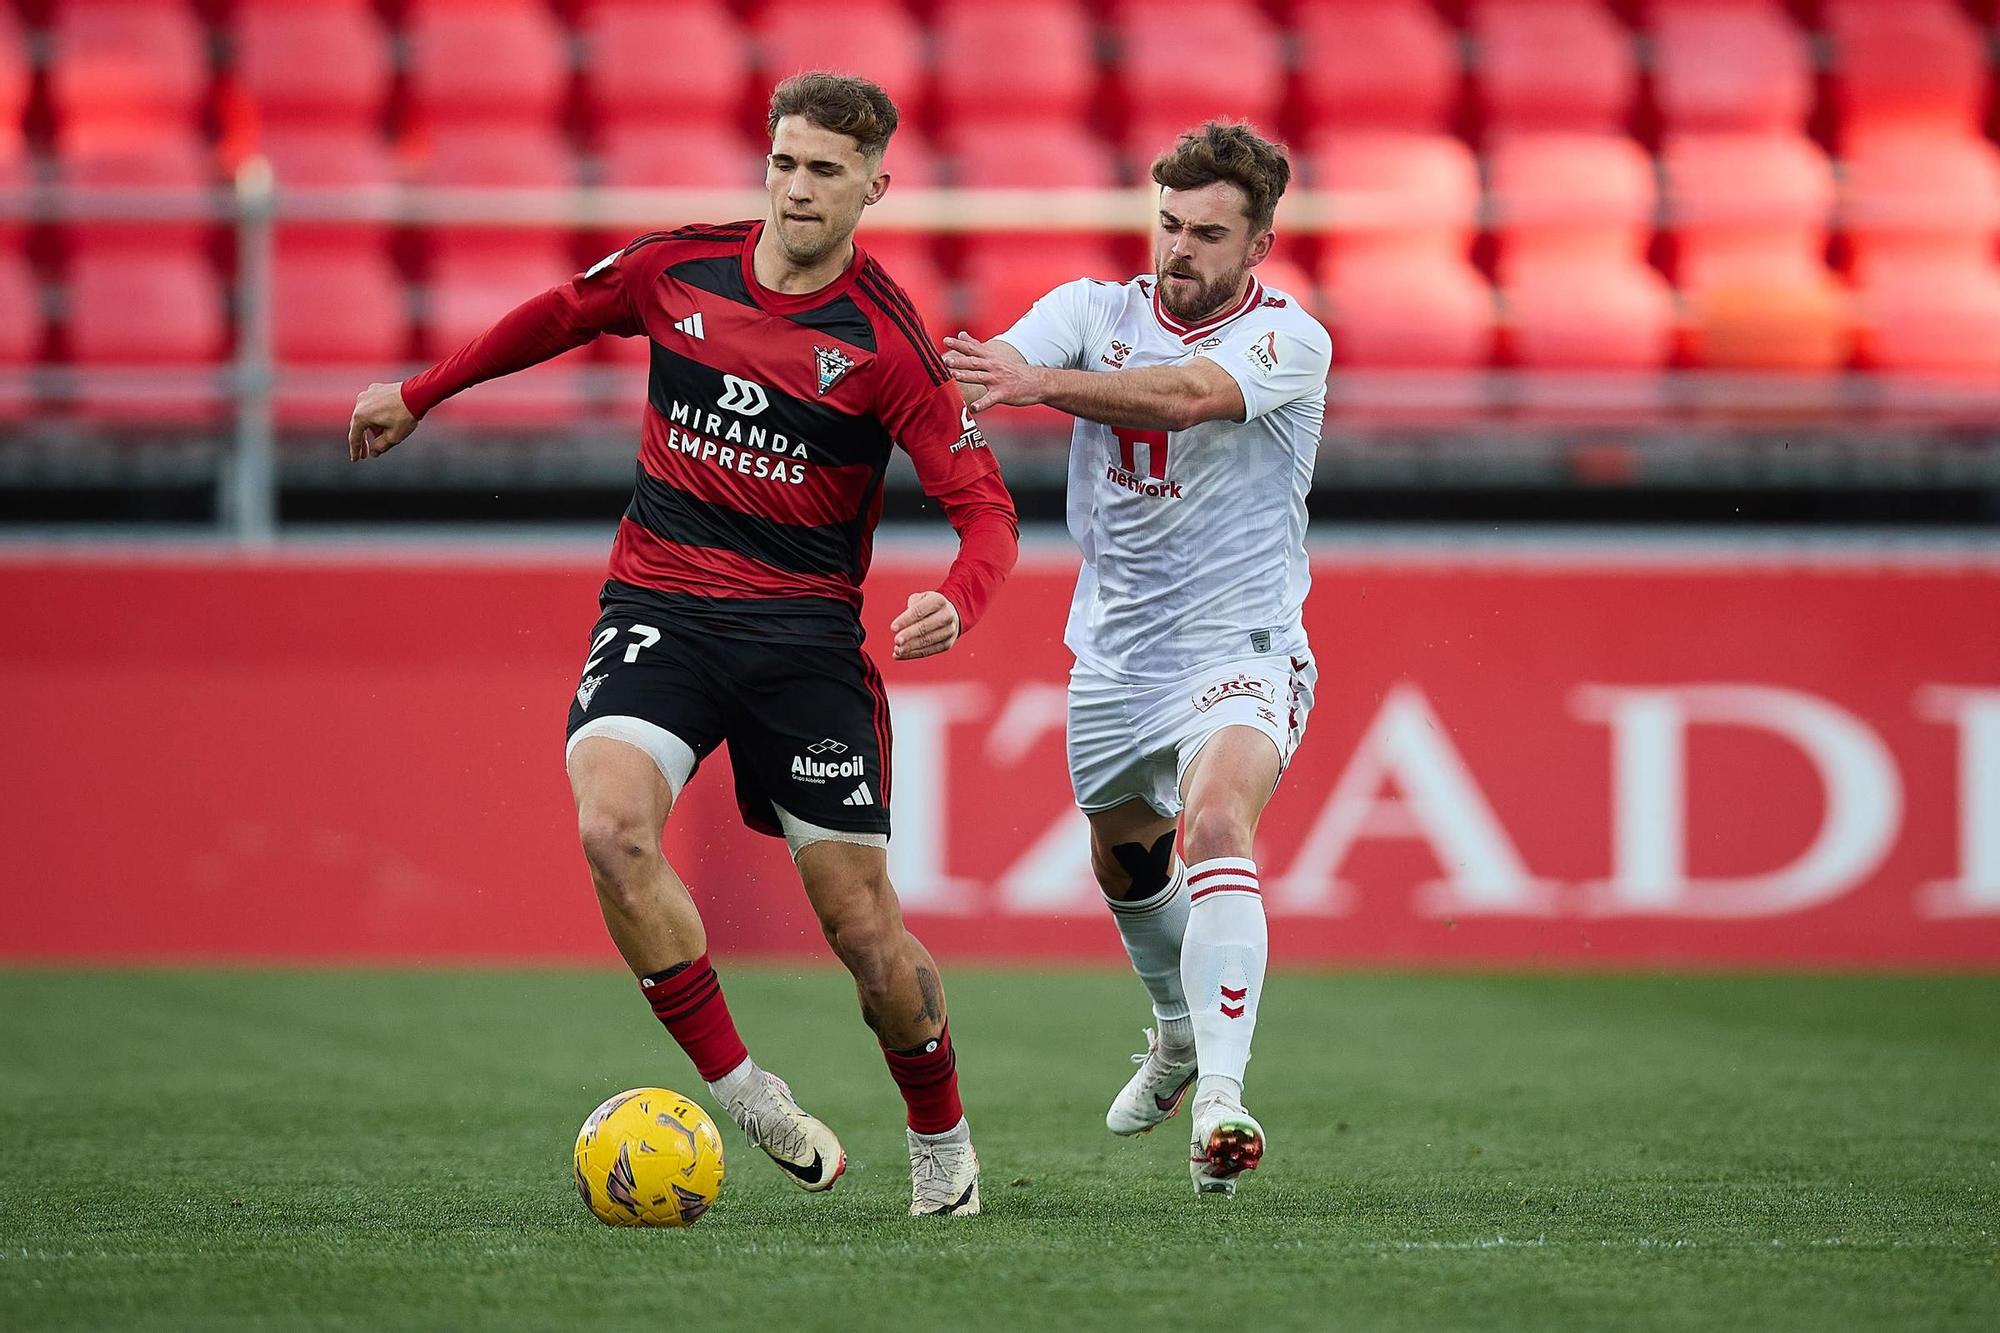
point(768, 426)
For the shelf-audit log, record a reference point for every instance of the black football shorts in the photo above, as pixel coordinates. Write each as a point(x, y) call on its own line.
point(807, 725)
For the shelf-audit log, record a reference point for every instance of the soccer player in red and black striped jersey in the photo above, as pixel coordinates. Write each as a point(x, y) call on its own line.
point(785, 367)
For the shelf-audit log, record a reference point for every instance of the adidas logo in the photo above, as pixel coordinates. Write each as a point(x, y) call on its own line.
point(860, 796)
point(691, 326)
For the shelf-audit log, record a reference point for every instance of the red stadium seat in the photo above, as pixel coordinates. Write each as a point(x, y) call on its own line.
point(20, 329)
point(1719, 65)
point(336, 310)
point(1922, 211)
point(1001, 284)
point(20, 310)
point(521, 157)
point(504, 62)
point(1376, 64)
point(1031, 157)
point(1409, 312)
point(1397, 194)
point(1920, 202)
point(1552, 65)
point(1749, 213)
point(1913, 64)
point(1561, 196)
point(687, 64)
point(1575, 214)
point(181, 162)
point(877, 39)
point(1396, 278)
point(125, 73)
point(1015, 60)
point(647, 153)
point(321, 64)
point(16, 85)
point(1173, 74)
point(137, 307)
point(467, 291)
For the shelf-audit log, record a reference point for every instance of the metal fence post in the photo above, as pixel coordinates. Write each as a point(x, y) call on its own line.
point(247, 500)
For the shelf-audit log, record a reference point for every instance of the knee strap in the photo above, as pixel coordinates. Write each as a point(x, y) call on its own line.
point(1150, 868)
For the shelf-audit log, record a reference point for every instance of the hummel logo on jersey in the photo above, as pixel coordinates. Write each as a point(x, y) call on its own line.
point(1115, 358)
point(833, 363)
point(860, 796)
point(743, 397)
point(691, 326)
point(588, 690)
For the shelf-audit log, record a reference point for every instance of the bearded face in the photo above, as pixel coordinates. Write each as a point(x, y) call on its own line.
point(1204, 247)
point(1191, 297)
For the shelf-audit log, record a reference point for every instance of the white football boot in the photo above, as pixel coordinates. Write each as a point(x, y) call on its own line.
point(803, 1148)
point(944, 1173)
point(1153, 1094)
point(1227, 1141)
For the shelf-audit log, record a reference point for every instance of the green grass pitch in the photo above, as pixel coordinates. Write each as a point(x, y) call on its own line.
point(389, 1150)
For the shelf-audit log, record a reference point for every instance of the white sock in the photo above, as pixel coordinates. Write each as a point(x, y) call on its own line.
point(958, 1133)
point(1152, 929)
point(733, 1084)
point(1222, 967)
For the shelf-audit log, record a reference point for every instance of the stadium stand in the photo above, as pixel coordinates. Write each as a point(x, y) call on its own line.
point(1749, 216)
point(629, 88)
point(1573, 219)
point(1522, 83)
point(1729, 65)
point(1015, 60)
point(1375, 65)
point(1493, 164)
point(1398, 279)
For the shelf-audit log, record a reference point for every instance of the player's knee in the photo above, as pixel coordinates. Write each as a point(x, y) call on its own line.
point(865, 939)
point(618, 843)
point(1216, 829)
point(1136, 870)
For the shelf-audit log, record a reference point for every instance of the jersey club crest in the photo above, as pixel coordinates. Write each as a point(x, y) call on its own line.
point(833, 364)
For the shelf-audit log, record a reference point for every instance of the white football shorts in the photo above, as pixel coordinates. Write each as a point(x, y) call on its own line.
point(1135, 741)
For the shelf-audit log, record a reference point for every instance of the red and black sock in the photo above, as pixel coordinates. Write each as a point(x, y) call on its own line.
point(928, 1078)
point(687, 998)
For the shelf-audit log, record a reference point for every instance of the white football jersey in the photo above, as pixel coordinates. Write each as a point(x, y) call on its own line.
point(1193, 541)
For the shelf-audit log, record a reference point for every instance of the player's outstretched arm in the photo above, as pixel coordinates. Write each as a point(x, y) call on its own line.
point(1146, 398)
point(381, 421)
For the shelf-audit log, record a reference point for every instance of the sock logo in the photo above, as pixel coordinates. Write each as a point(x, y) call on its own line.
point(1235, 1010)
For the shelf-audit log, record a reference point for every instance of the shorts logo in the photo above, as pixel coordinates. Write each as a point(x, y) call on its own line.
point(805, 768)
point(860, 796)
point(1250, 687)
point(743, 397)
point(833, 363)
point(1260, 641)
point(588, 690)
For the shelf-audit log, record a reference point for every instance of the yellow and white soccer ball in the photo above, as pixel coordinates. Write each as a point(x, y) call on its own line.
point(648, 1158)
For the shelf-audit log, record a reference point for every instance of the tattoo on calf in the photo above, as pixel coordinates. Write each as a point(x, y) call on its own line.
point(927, 982)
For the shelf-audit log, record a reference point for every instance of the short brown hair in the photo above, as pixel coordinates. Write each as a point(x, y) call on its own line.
point(1229, 151)
point(838, 102)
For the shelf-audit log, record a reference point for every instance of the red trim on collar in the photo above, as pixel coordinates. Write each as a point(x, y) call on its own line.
point(791, 303)
point(1253, 295)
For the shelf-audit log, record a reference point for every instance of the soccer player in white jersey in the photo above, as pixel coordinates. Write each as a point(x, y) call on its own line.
point(1199, 394)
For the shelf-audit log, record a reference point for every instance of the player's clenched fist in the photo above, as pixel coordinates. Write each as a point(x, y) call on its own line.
point(928, 625)
point(381, 421)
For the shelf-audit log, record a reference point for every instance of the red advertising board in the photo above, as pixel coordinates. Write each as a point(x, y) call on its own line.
point(1534, 757)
